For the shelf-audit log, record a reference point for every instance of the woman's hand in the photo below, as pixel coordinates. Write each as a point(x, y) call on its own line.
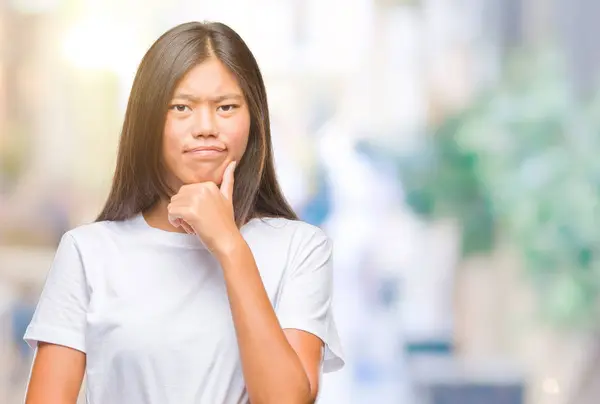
point(207, 211)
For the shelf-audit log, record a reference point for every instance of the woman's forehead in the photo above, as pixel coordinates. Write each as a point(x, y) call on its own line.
point(208, 80)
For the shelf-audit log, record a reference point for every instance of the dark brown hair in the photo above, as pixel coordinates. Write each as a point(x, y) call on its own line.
point(139, 179)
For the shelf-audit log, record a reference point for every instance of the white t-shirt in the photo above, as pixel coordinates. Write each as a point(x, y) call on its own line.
point(150, 309)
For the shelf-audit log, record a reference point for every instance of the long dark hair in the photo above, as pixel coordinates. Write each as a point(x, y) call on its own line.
point(139, 179)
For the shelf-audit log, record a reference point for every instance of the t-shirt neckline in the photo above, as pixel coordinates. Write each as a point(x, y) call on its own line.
point(170, 237)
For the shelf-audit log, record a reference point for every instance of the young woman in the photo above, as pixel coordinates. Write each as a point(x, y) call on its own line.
point(197, 283)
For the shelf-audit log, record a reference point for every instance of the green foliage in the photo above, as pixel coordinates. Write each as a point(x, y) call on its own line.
point(442, 180)
point(523, 162)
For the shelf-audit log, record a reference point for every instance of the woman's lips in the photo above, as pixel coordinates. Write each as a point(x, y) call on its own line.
point(205, 151)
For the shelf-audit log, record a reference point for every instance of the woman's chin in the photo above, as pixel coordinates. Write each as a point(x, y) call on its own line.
point(196, 179)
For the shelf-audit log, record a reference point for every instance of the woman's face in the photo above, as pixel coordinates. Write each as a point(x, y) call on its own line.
point(207, 125)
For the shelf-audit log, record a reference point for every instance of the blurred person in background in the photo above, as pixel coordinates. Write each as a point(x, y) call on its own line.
point(197, 283)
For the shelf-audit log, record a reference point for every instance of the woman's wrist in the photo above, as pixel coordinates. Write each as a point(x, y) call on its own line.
point(230, 248)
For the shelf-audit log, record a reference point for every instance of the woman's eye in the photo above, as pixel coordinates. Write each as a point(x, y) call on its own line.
point(179, 107)
point(228, 108)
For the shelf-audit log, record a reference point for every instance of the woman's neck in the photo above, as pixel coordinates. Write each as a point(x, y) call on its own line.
point(157, 216)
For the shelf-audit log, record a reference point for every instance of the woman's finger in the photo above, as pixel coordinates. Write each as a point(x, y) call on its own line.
point(187, 227)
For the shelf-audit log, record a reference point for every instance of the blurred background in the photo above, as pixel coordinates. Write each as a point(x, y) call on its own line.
point(449, 148)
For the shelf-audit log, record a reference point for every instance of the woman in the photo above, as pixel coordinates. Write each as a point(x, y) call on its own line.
point(197, 283)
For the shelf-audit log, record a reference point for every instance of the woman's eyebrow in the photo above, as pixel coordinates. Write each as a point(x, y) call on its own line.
point(196, 99)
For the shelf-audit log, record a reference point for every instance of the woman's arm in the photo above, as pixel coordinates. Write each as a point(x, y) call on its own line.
point(279, 366)
point(277, 369)
point(56, 375)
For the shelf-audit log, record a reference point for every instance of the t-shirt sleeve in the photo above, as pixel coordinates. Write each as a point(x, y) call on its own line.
point(60, 315)
point(306, 296)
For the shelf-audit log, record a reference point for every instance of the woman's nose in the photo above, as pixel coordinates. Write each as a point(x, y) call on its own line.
point(204, 123)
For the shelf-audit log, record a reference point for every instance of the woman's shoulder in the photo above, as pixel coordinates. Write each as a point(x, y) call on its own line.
point(292, 243)
point(282, 225)
point(93, 232)
point(289, 231)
